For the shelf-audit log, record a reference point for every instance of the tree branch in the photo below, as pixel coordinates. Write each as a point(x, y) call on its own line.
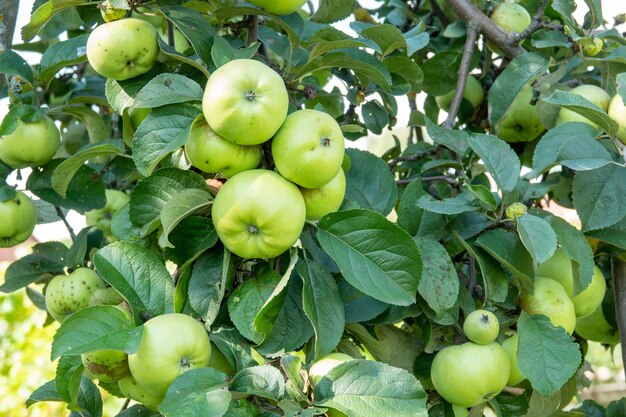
point(64, 220)
point(619, 291)
point(253, 27)
point(468, 12)
point(535, 24)
point(8, 19)
point(464, 69)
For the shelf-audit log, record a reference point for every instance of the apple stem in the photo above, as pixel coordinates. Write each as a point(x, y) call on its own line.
point(618, 268)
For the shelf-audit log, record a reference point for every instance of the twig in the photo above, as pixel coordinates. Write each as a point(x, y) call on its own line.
point(452, 181)
point(125, 405)
point(619, 291)
point(410, 158)
point(471, 286)
point(468, 12)
point(464, 69)
point(170, 34)
point(64, 220)
point(253, 29)
point(535, 24)
point(434, 7)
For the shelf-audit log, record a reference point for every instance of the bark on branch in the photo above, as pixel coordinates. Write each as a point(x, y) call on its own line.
point(619, 290)
point(464, 69)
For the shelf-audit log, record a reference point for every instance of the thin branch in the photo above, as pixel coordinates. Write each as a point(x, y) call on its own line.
point(619, 290)
point(253, 29)
point(468, 12)
point(125, 405)
point(464, 69)
point(535, 24)
point(410, 158)
point(64, 220)
point(171, 41)
point(450, 180)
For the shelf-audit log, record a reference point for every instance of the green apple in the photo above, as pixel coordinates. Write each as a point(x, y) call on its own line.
point(510, 346)
point(594, 94)
point(521, 122)
point(106, 365)
point(551, 300)
point(149, 15)
point(30, 144)
point(218, 361)
point(19, 218)
point(66, 294)
point(245, 101)
point(473, 93)
point(559, 268)
point(516, 210)
point(171, 345)
point(309, 148)
point(511, 17)
point(460, 411)
point(123, 49)
point(596, 328)
point(481, 327)
point(209, 152)
point(617, 112)
point(130, 388)
point(325, 199)
point(258, 214)
point(469, 374)
point(137, 116)
point(323, 366)
point(279, 6)
point(101, 218)
point(181, 43)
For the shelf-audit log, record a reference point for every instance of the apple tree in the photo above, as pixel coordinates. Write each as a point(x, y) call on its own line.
point(243, 258)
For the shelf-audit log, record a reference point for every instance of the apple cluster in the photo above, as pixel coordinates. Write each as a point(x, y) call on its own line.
point(260, 213)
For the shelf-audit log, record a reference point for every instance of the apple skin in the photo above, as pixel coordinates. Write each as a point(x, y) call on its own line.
point(559, 268)
point(469, 374)
point(617, 112)
point(551, 300)
point(171, 345)
point(123, 49)
point(279, 6)
point(481, 327)
point(106, 365)
point(322, 367)
point(596, 95)
point(131, 389)
point(510, 346)
point(596, 328)
point(19, 218)
point(66, 294)
point(101, 218)
point(30, 144)
point(145, 13)
point(211, 153)
point(326, 199)
point(460, 411)
point(181, 43)
point(309, 148)
point(258, 214)
point(511, 17)
point(473, 93)
point(245, 101)
point(521, 123)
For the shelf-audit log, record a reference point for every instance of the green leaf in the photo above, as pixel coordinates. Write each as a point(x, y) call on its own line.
point(69, 372)
point(507, 248)
point(407, 68)
point(95, 328)
point(364, 388)
point(84, 192)
point(331, 11)
point(455, 140)
point(47, 259)
point(89, 398)
point(585, 108)
point(571, 144)
point(358, 306)
point(369, 183)
point(65, 171)
point(441, 72)
point(75, 257)
point(234, 347)
point(62, 54)
point(391, 345)
point(537, 236)
point(595, 12)
point(208, 284)
point(191, 238)
point(540, 406)
point(186, 203)
point(165, 130)
point(416, 39)
point(167, 89)
point(195, 28)
point(11, 63)
point(375, 117)
point(499, 159)
point(96, 128)
point(44, 13)
point(439, 285)
point(484, 195)
point(140, 276)
point(600, 196)
point(409, 213)
point(46, 392)
point(458, 204)
point(261, 381)
point(512, 82)
point(375, 256)
point(292, 368)
point(323, 306)
point(388, 37)
point(197, 392)
point(546, 355)
point(614, 235)
point(150, 196)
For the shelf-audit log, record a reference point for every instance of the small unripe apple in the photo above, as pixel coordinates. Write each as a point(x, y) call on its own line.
point(279, 6)
point(521, 122)
point(481, 327)
point(596, 95)
point(511, 17)
point(18, 219)
point(30, 144)
point(617, 112)
point(596, 328)
point(473, 93)
point(106, 365)
point(101, 218)
point(66, 294)
point(326, 199)
point(516, 210)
